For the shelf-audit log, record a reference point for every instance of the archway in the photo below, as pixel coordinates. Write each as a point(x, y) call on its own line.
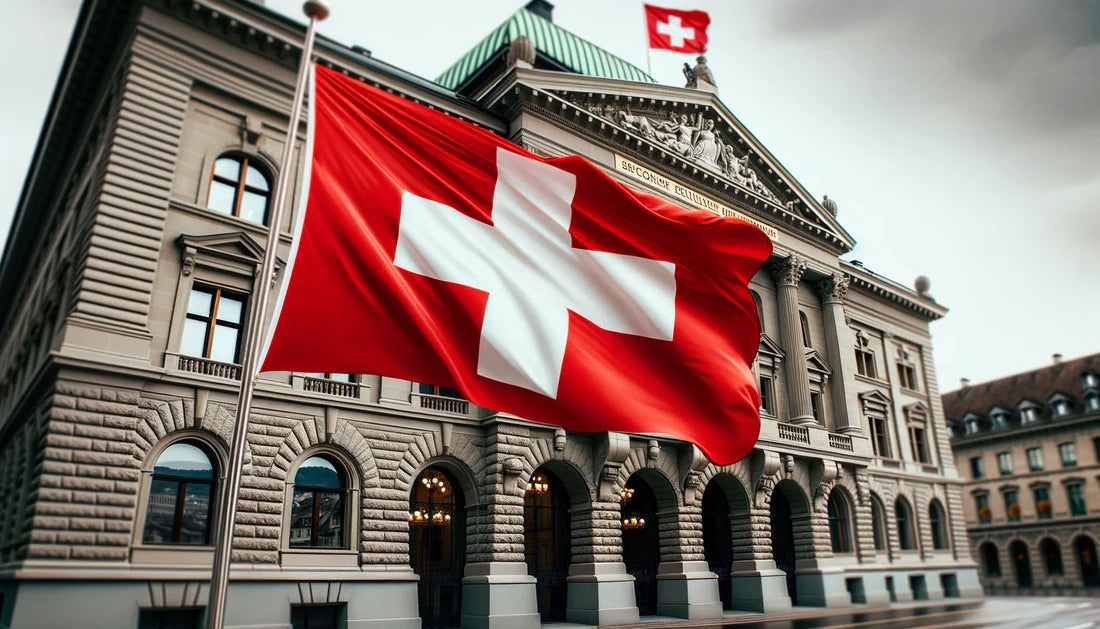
point(1021, 563)
point(718, 539)
point(1085, 551)
point(547, 541)
point(437, 546)
point(1051, 552)
point(991, 563)
point(641, 544)
point(788, 504)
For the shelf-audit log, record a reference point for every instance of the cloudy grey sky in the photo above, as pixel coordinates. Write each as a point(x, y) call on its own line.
point(960, 139)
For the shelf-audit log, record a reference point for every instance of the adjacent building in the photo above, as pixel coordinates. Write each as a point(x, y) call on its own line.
point(1028, 446)
point(370, 501)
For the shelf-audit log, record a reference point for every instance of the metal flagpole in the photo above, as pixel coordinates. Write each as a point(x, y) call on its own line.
point(227, 506)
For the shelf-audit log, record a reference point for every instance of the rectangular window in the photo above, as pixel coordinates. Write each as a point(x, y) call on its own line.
point(981, 502)
point(185, 618)
point(1043, 506)
point(1012, 506)
point(815, 406)
point(767, 395)
point(920, 446)
point(865, 363)
point(880, 438)
point(1035, 459)
point(976, 469)
point(337, 377)
point(1000, 421)
point(805, 328)
point(212, 327)
point(318, 616)
point(907, 377)
point(1004, 462)
point(1068, 452)
point(1076, 495)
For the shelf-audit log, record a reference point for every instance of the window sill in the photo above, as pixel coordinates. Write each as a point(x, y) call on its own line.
point(172, 554)
point(318, 558)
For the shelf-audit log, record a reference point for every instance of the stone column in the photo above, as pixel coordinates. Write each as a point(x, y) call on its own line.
point(686, 588)
point(839, 350)
point(496, 589)
point(787, 274)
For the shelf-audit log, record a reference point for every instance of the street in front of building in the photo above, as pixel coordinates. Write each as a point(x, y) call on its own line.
point(995, 611)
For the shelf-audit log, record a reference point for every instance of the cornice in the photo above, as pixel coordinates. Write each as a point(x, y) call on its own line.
point(880, 287)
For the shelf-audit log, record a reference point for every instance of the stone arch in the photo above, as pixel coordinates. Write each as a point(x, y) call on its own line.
point(307, 434)
point(842, 521)
point(156, 419)
point(572, 465)
point(735, 490)
point(462, 457)
point(665, 468)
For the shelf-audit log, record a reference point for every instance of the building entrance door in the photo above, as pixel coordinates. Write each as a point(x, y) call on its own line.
point(641, 551)
point(717, 540)
point(783, 541)
point(437, 547)
point(1021, 563)
point(546, 542)
point(1085, 550)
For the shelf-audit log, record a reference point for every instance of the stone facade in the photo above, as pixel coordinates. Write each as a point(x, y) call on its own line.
point(115, 234)
point(1028, 446)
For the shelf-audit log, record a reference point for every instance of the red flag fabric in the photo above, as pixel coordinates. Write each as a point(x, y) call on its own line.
point(677, 29)
point(434, 251)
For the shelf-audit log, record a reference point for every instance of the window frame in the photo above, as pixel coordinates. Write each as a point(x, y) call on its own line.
point(908, 539)
point(241, 186)
point(1071, 460)
point(981, 502)
point(841, 524)
point(211, 321)
point(767, 394)
point(1035, 463)
point(1075, 495)
point(938, 526)
point(1011, 497)
point(1041, 493)
point(977, 468)
point(346, 556)
point(1002, 458)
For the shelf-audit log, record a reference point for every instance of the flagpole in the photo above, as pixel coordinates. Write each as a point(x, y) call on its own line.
point(316, 11)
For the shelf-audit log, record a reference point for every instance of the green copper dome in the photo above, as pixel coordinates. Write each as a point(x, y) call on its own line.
point(551, 41)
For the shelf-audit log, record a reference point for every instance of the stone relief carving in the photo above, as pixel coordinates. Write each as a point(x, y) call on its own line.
point(788, 272)
point(697, 140)
point(833, 289)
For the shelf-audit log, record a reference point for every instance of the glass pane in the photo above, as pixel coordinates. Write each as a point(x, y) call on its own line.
point(221, 197)
point(301, 518)
point(228, 167)
point(340, 377)
point(196, 514)
point(253, 207)
point(318, 472)
point(199, 303)
point(229, 309)
point(330, 533)
point(224, 347)
point(184, 459)
point(161, 512)
point(194, 338)
point(256, 179)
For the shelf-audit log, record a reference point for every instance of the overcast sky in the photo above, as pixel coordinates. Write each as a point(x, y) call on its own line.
point(961, 140)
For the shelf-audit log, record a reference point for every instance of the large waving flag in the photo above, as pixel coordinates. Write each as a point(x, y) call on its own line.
point(435, 251)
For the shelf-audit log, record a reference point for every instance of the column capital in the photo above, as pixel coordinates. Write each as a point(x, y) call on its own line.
point(833, 288)
point(788, 272)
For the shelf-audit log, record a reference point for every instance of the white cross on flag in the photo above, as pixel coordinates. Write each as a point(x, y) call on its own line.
point(677, 29)
point(434, 251)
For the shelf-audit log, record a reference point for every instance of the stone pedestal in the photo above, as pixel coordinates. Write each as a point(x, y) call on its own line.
point(499, 594)
point(758, 586)
point(687, 589)
point(600, 594)
point(823, 588)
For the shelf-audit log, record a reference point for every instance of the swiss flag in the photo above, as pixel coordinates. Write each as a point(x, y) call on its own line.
point(677, 29)
point(434, 251)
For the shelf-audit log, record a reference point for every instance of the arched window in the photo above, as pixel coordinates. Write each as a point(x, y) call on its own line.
point(938, 521)
point(180, 496)
point(759, 307)
point(318, 506)
point(239, 187)
point(1051, 553)
point(878, 522)
point(991, 563)
point(840, 522)
point(904, 515)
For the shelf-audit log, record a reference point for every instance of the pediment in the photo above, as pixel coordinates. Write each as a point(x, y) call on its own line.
point(235, 249)
point(815, 363)
point(768, 347)
point(686, 135)
point(874, 401)
point(917, 411)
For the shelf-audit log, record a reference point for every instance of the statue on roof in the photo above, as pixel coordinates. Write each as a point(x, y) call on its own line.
point(702, 71)
point(689, 77)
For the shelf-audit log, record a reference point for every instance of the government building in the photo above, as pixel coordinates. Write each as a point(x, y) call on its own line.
point(369, 501)
point(1028, 446)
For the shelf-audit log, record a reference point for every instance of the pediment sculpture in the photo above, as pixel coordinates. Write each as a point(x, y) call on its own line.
point(695, 139)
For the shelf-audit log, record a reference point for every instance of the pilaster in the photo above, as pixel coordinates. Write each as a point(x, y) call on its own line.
point(787, 275)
